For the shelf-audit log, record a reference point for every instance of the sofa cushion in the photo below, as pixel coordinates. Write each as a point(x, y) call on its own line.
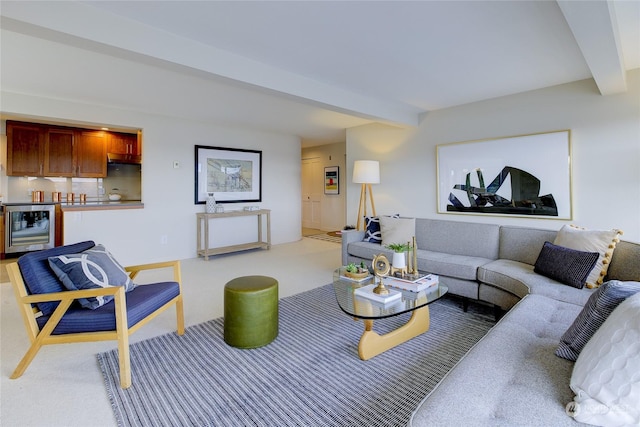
point(599, 306)
point(367, 250)
point(519, 279)
point(397, 230)
point(460, 238)
point(509, 371)
point(141, 302)
point(93, 268)
point(565, 265)
point(38, 277)
point(601, 241)
point(523, 244)
point(460, 266)
point(606, 378)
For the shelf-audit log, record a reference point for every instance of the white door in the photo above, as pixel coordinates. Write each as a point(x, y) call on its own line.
point(312, 186)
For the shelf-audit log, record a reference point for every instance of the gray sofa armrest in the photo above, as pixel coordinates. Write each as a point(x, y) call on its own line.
point(349, 236)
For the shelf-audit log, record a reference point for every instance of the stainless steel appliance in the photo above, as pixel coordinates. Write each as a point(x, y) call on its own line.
point(29, 227)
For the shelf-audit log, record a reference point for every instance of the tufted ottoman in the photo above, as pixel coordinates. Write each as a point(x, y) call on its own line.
point(250, 311)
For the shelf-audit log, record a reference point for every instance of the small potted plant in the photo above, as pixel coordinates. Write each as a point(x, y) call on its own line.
point(399, 258)
point(356, 271)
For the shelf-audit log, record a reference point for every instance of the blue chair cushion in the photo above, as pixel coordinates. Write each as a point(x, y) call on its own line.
point(141, 302)
point(93, 268)
point(38, 276)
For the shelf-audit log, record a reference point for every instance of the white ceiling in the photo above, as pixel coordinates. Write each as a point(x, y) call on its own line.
point(314, 68)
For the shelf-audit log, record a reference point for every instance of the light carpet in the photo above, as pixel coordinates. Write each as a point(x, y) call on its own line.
point(309, 376)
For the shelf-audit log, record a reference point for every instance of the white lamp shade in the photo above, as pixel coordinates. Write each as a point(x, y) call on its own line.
point(366, 172)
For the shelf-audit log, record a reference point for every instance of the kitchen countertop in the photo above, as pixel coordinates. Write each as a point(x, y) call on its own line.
point(91, 205)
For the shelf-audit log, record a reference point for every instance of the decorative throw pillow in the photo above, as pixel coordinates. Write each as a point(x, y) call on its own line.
point(606, 376)
point(565, 265)
point(372, 229)
point(93, 268)
point(599, 306)
point(601, 241)
point(397, 230)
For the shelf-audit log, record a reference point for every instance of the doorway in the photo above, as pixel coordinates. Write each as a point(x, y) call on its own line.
point(311, 193)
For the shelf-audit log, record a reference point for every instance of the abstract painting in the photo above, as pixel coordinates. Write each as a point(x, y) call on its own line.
point(528, 175)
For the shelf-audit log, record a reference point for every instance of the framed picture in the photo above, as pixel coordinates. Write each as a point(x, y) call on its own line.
point(332, 180)
point(528, 175)
point(232, 174)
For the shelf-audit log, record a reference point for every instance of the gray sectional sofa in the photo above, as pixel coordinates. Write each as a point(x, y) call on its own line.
point(512, 375)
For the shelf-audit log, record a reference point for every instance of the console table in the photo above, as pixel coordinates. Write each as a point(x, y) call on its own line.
point(203, 229)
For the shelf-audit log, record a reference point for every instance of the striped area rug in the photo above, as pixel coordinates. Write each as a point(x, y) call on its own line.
point(326, 237)
point(309, 376)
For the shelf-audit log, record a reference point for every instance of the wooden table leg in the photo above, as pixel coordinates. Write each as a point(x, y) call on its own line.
point(372, 344)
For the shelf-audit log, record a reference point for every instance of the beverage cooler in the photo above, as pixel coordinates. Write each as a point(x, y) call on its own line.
point(29, 227)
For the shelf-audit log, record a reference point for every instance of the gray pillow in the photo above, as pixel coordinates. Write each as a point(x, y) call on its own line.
point(93, 268)
point(565, 265)
point(600, 304)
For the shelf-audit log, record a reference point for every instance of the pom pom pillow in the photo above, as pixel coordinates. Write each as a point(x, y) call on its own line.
point(601, 241)
point(93, 268)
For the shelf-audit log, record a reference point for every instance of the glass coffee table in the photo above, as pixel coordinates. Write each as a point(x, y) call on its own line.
point(371, 343)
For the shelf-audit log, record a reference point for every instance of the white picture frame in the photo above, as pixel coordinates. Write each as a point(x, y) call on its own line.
point(510, 168)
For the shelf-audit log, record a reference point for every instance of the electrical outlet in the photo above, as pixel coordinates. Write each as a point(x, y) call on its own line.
point(176, 164)
point(164, 239)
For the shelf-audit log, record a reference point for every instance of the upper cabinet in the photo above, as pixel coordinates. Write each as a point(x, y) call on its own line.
point(124, 143)
point(25, 149)
point(59, 152)
point(91, 154)
point(46, 150)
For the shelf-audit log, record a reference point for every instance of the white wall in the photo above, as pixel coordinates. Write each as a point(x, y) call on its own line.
point(605, 153)
point(168, 193)
point(134, 236)
point(332, 213)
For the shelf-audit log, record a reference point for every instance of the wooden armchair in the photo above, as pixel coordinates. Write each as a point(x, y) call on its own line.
point(51, 317)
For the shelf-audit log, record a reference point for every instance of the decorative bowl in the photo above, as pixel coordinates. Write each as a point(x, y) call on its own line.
point(115, 197)
point(356, 275)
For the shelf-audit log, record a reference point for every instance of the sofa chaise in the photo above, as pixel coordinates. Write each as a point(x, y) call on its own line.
point(512, 376)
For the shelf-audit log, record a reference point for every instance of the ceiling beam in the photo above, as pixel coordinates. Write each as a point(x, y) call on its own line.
point(87, 27)
point(594, 26)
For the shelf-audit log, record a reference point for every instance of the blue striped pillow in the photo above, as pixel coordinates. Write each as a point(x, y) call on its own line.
point(600, 304)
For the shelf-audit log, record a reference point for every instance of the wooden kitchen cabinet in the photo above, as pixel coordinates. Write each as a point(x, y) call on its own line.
point(25, 149)
point(59, 152)
point(124, 143)
point(91, 154)
point(44, 150)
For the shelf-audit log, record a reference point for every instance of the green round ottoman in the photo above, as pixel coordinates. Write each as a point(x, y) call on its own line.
point(250, 311)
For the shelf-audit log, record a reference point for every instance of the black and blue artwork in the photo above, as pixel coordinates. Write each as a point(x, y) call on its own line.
point(524, 197)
